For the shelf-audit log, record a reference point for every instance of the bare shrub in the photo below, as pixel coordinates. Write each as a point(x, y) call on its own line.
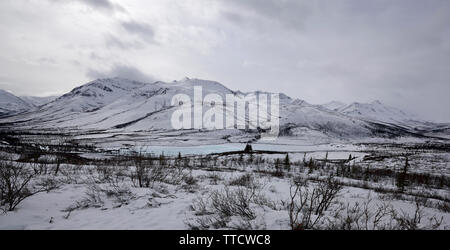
point(228, 208)
point(178, 175)
point(208, 222)
point(307, 204)
point(264, 201)
point(17, 182)
point(104, 173)
point(246, 180)
point(93, 195)
point(190, 180)
point(406, 221)
point(230, 203)
point(147, 172)
point(360, 216)
point(71, 173)
point(215, 178)
point(443, 206)
point(92, 199)
point(121, 194)
point(200, 207)
point(382, 216)
point(40, 168)
point(190, 183)
point(96, 195)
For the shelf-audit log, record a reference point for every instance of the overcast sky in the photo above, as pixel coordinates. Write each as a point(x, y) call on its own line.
point(397, 52)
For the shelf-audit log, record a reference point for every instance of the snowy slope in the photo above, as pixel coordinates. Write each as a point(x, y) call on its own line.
point(334, 105)
point(38, 101)
point(376, 111)
point(380, 113)
point(117, 103)
point(11, 104)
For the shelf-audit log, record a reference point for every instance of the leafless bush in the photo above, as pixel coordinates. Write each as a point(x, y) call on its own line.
point(382, 216)
point(200, 207)
point(190, 183)
point(230, 203)
point(228, 208)
point(71, 173)
point(17, 182)
point(40, 168)
point(178, 175)
point(215, 178)
point(246, 180)
point(360, 216)
point(264, 201)
point(147, 173)
point(443, 206)
point(92, 199)
point(208, 222)
point(96, 195)
point(307, 204)
point(121, 194)
point(105, 173)
point(406, 221)
point(190, 180)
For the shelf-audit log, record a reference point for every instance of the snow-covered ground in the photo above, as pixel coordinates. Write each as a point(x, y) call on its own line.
point(165, 207)
point(106, 195)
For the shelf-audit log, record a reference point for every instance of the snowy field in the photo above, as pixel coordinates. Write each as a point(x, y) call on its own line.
point(301, 186)
point(167, 206)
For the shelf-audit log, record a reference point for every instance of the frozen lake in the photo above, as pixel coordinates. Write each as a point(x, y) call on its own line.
point(227, 147)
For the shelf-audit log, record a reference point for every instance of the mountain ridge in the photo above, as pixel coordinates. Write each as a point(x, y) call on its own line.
point(119, 104)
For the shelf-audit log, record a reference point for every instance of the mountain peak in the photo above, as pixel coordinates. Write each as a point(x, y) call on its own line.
point(11, 104)
point(376, 102)
point(377, 111)
point(334, 105)
point(207, 85)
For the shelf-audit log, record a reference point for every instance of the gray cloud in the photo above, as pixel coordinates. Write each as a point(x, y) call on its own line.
point(345, 50)
point(143, 30)
point(112, 41)
point(101, 5)
point(122, 71)
point(291, 14)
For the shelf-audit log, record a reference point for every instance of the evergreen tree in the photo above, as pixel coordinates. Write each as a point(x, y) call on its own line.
point(401, 178)
point(277, 166)
point(287, 163)
point(178, 160)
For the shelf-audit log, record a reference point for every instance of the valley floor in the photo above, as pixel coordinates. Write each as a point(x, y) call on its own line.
point(170, 207)
point(329, 186)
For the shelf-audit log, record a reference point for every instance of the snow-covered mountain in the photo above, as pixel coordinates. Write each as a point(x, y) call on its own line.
point(37, 100)
point(379, 112)
point(334, 105)
point(117, 104)
point(11, 104)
